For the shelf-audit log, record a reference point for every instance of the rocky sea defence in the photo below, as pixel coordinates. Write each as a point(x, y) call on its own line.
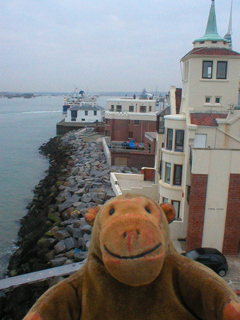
point(54, 232)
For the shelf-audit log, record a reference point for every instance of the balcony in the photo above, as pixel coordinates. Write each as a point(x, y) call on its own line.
point(121, 146)
point(123, 183)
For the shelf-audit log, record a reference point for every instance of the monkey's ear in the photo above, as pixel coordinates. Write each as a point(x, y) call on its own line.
point(169, 211)
point(90, 215)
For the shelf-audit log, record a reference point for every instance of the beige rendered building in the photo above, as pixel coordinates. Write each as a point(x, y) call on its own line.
point(201, 156)
point(197, 169)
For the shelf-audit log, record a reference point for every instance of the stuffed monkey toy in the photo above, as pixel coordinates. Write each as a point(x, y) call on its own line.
point(134, 272)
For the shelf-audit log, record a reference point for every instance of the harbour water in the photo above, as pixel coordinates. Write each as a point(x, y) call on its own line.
point(25, 124)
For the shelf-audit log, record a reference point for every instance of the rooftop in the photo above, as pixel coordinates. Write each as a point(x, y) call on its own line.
point(128, 184)
point(212, 52)
point(86, 107)
point(206, 119)
point(211, 33)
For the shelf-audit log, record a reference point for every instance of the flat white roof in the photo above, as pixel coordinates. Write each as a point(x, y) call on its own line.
point(179, 117)
point(131, 99)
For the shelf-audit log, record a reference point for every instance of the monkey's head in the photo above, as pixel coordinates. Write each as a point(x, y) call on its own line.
point(131, 236)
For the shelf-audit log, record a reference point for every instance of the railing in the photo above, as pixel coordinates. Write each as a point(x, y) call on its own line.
point(118, 147)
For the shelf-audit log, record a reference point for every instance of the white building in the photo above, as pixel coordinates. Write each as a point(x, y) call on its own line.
point(131, 105)
point(86, 112)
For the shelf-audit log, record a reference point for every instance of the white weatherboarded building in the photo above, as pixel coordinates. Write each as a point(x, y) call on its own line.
point(85, 113)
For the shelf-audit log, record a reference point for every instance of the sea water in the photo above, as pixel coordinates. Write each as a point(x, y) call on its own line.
point(25, 124)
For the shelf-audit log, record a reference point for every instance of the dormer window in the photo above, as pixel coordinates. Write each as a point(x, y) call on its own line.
point(222, 70)
point(207, 69)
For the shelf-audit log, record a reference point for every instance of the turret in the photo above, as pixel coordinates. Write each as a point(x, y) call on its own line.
point(228, 35)
point(211, 38)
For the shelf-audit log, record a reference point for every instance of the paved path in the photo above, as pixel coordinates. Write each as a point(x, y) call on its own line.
point(233, 275)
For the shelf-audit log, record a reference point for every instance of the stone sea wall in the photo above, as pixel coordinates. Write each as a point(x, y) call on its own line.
point(54, 231)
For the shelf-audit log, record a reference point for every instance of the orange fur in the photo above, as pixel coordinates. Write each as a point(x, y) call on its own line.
point(134, 272)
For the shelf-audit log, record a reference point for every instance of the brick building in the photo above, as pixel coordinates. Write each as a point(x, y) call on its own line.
point(127, 119)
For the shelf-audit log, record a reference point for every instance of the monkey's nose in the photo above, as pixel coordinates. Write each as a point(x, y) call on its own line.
point(131, 233)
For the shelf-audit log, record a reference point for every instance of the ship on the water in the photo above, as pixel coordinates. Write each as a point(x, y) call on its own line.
point(77, 98)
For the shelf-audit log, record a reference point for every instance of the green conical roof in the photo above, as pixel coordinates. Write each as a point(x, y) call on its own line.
point(228, 35)
point(211, 33)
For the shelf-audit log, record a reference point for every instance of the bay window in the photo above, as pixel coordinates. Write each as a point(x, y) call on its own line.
point(177, 178)
point(169, 139)
point(167, 172)
point(179, 140)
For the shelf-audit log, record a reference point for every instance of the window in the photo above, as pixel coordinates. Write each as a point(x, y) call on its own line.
point(188, 193)
point(86, 113)
point(160, 125)
point(136, 122)
point(177, 178)
point(222, 70)
point(160, 169)
point(179, 140)
point(200, 141)
point(107, 121)
point(112, 107)
point(207, 99)
point(164, 200)
point(169, 138)
point(167, 172)
point(176, 205)
point(95, 112)
point(150, 108)
point(119, 108)
point(83, 119)
point(107, 133)
point(74, 114)
point(185, 71)
point(217, 100)
point(143, 109)
point(130, 134)
point(207, 69)
point(131, 108)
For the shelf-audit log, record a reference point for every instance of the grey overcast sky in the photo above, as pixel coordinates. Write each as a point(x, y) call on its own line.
point(108, 45)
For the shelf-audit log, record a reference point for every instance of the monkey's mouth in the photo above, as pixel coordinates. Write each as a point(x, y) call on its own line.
point(133, 257)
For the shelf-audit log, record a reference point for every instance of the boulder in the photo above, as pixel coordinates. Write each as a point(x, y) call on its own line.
point(80, 256)
point(58, 261)
point(69, 243)
point(62, 234)
point(60, 247)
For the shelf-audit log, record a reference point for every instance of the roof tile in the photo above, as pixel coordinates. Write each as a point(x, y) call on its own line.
point(206, 119)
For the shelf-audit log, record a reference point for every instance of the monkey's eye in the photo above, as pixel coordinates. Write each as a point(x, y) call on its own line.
point(148, 210)
point(111, 211)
